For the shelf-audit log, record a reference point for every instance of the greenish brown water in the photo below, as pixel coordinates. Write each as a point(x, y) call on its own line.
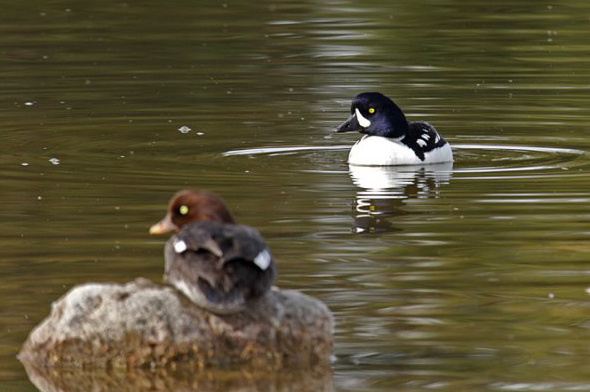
point(473, 277)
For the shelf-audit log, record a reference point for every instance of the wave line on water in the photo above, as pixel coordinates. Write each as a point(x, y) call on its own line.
point(553, 150)
point(276, 150)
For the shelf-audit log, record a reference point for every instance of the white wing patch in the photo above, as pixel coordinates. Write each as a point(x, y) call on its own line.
point(180, 246)
point(421, 142)
point(262, 260)
point(426, 136)
point(437, 138)
point(363, 122)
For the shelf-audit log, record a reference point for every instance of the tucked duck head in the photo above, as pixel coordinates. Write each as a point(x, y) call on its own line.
point(375, 114)
point(189, 206)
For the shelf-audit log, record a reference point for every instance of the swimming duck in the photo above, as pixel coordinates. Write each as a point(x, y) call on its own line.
point(218, 264)
point(390, 139)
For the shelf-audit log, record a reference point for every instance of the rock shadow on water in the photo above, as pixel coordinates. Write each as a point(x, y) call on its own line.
point(180, 378)
point(384, 191)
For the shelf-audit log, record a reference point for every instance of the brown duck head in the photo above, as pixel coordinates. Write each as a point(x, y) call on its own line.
point(190, 206)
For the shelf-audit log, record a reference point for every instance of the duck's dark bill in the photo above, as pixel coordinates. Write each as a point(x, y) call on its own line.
point(350, 125)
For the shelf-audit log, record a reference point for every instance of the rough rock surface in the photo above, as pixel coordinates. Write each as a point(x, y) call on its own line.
point(140, 323)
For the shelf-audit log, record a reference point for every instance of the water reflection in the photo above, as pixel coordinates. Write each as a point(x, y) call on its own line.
point(385, 190)
point(177, 379)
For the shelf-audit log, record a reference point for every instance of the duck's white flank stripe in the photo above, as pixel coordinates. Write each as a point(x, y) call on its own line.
point(363, 122)
point(263, 259)
point(382, 151)
point(421, 142)
point(426, 136)
point(180, 246)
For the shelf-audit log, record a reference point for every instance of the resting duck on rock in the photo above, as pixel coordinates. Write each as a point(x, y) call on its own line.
point(222, 268)
point(220, 265)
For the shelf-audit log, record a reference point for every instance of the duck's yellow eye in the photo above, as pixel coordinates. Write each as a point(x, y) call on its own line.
point(183, 210)
point(371, 110)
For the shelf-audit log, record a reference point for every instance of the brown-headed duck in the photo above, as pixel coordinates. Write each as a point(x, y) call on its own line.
point(218, 264)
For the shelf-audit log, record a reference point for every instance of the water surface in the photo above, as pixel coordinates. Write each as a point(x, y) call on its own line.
point(472, 276)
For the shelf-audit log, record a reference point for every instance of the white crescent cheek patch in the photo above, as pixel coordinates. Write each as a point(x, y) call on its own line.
point(363, 122)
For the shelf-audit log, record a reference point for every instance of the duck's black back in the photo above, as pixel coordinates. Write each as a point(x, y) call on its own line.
point(422, 137)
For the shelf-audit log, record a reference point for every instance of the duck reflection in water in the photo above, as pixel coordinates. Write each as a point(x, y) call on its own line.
point(385, 189)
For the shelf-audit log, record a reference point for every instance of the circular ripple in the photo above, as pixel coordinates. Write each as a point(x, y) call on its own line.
point(484, 158)
point(469, 158)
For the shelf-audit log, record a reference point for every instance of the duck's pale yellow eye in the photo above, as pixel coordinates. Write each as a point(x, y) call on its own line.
point(183, 210)
point(371, 110)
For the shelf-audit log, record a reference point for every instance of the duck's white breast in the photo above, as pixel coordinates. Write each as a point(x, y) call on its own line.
point(382, 151)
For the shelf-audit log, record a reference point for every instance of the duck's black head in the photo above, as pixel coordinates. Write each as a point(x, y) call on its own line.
point(188, 206)
point(375, 114)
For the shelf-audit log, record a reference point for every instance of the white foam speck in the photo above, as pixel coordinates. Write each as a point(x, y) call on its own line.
point(184, 129)
point(54, 161)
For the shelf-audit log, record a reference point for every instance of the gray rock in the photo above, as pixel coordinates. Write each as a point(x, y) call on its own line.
point(140, 323)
